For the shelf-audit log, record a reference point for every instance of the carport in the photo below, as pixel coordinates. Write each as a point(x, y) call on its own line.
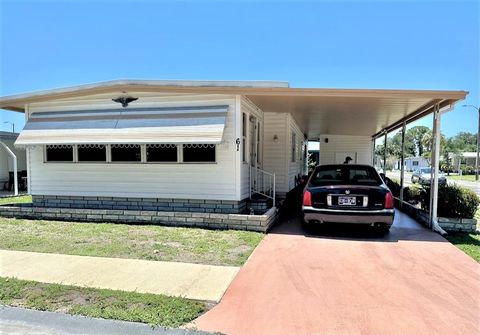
point(363, 112)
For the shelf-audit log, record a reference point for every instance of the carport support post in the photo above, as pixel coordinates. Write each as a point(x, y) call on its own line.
point(373, 152)
point(402, 163)
point(435, 169)
point(15, 180)
point(385, 153)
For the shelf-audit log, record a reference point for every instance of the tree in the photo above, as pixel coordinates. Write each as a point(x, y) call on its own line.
point(464, 142)
point(414, 137)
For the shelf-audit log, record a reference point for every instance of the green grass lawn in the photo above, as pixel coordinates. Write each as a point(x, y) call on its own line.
point(467, 242)
point(16, 200)
point(463, 177)
point(100, 303)
point(190, 245)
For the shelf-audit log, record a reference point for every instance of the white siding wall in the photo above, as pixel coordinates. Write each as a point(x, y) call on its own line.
point(250, 109)
point(278, 155)
point(362, 145)
point(297, 167)
point(191, 181)
point(6, 161)
point(274, 152)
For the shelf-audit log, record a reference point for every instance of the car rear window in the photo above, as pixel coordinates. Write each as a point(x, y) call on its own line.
point(344, 174)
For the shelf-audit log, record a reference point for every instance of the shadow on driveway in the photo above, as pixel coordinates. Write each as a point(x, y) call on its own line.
point(403, 228)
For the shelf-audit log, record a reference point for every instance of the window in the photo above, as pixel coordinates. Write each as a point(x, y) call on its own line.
point(415, 163)
point(244, 137)
point(126, 153)
point(59, 153)
point(197, 153)
point(162, 153)
point(92, 153)
point(258, 143)
point(294, 147)
point(345, 175)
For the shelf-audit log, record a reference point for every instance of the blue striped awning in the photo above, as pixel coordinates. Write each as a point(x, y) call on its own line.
point(203, 124)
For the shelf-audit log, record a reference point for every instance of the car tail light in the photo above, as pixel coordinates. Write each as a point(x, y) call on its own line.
point(389, 203)
point(307, 198)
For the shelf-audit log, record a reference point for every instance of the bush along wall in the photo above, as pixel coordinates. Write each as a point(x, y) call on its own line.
point(456, 205)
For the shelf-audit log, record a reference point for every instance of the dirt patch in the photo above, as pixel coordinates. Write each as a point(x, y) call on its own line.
point(172, 244)
point(241, 250)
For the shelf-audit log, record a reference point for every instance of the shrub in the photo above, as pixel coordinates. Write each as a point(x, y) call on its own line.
point(394, 186)
point(414, 194)
point(454, 201)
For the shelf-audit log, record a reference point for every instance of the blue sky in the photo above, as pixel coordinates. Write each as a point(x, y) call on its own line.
point(355, 44)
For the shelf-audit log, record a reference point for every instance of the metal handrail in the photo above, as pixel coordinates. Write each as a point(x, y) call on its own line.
point(267, 189)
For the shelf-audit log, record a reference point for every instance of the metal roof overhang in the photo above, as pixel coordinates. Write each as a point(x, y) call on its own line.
point(365, 112)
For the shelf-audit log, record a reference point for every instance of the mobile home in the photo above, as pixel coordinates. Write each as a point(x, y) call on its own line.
point(196, 146)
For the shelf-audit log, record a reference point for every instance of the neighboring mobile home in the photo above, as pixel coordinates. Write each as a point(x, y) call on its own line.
point(198, 146)
point(413, 163)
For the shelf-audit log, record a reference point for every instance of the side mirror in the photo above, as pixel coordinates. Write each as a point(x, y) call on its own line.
point(382, 175)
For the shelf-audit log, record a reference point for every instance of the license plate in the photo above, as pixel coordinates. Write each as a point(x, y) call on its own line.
point(347, 201)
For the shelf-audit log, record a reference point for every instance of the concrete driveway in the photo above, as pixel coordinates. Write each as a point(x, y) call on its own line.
point(411, 281)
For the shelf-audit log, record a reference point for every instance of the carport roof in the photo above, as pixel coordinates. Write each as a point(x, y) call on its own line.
point(317, 110)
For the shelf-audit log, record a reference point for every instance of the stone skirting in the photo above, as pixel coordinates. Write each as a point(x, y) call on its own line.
point(259, 223)
point(458, 225)
point(142, 204)
point(448, 224)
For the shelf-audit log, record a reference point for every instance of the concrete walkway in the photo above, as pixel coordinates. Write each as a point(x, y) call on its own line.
point(193, 281)
point(411, 281)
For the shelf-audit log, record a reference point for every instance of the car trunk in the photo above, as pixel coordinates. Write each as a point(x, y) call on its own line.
point(348, 196)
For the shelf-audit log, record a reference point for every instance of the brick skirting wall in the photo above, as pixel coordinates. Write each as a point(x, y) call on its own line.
point(448, 224)
point(259, 223)
point(145, 204)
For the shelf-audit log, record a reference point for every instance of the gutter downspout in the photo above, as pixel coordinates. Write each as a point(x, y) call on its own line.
point(15, 180)
point(436, 168)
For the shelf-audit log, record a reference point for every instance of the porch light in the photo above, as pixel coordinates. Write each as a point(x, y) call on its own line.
point(275, 138)
point(124, 100)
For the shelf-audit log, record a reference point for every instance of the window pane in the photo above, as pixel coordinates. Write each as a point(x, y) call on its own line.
point(92, 153)
point(126, 153)
point(63, 153)
point(294, 147)
point(161, 153)
point(199, 153)
point(244, 124)
point(244, 150)
point(258, 143)
point(345, 175)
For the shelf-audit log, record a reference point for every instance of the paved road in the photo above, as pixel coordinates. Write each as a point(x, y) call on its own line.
point(19, 321)
point(473, 185)
point(411, 281)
